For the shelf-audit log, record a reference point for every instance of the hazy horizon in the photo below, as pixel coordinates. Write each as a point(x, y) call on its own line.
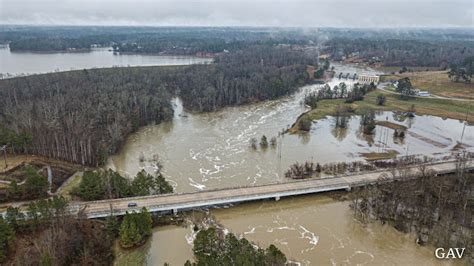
point(245, 13)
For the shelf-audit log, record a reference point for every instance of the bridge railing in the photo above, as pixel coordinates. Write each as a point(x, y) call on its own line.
point(264, 185)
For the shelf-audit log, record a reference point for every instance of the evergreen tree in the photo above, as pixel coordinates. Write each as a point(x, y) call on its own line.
point(32, 214)
point(92, 186)
point(7, 237)
point(146, 222)
point(162, 186)
point(14, 191)
point(274, 256)
point(12, 217)
point(142, 184)
point(112, 226)
point(264, 142)
point(36, 185)
point(135, 227)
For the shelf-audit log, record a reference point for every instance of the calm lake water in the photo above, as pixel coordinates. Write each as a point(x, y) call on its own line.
point(17, 63)
point(211, 150)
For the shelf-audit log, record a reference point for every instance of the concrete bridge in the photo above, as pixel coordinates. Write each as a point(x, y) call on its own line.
point(209, 198)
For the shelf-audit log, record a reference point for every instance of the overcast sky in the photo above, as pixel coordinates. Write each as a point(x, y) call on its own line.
point(280, 13)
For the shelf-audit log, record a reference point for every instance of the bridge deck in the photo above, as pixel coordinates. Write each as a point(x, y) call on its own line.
point(174, 202)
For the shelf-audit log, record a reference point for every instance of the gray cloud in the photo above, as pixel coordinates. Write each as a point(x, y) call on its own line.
point(280, 13)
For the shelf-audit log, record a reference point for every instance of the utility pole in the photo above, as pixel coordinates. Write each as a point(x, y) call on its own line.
point(465, 122)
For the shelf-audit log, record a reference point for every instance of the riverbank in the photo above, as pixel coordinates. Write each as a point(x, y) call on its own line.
point(436, 107)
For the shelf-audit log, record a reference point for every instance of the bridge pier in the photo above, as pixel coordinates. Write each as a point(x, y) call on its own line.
point(348, 189)
point(175, 211)
point(277, 198)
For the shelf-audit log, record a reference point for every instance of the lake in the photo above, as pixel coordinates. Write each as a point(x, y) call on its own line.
point(24, 63)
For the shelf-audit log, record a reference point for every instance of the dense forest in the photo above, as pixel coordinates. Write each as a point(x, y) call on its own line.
point(98, 185)
point(438, 209)
point(254, 74)
point(83, 116)
point(47, 234)
point(400, 52)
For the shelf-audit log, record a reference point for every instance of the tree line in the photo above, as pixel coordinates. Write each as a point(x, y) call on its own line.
point(254, 74)
point(84, 116)
point(47, 234)
point(438, 209)
point(463, 71)
point(98, 185)
point(401, 52)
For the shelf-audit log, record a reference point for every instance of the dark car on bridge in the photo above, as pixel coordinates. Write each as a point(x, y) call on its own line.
point(132, 204)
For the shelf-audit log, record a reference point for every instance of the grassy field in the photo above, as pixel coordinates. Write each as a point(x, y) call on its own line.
point(423, 106)
point(437, 83)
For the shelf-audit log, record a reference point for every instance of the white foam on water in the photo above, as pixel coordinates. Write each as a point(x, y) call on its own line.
point(196, 184)
point(190, 236)
point(251, 231)
point(314, 239)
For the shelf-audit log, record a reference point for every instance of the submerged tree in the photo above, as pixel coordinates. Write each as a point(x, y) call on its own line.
point(264, 142)
point(367, 121)
point(253, 143)
point(273, 142)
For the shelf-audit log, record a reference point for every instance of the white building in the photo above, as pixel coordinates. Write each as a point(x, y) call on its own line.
point(366, 79)
point(423, 94)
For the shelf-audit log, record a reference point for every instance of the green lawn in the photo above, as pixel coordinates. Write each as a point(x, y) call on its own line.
point(423, 106)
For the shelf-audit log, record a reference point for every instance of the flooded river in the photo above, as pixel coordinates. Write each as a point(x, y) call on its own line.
point(211, 150)
point(311, 230)
point(16, 63)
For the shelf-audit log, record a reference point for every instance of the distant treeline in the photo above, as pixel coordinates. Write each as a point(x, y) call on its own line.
point(83, 116)
point(391, 47)
point(181, 41)
point(401, 52)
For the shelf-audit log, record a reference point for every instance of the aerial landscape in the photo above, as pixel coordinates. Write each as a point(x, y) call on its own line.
point(236, 132)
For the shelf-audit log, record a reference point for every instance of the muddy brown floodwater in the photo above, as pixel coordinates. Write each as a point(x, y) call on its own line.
point(310, 230)
point(211, 150)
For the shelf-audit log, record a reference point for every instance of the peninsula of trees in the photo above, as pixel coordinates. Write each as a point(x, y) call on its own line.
point(83, 116)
